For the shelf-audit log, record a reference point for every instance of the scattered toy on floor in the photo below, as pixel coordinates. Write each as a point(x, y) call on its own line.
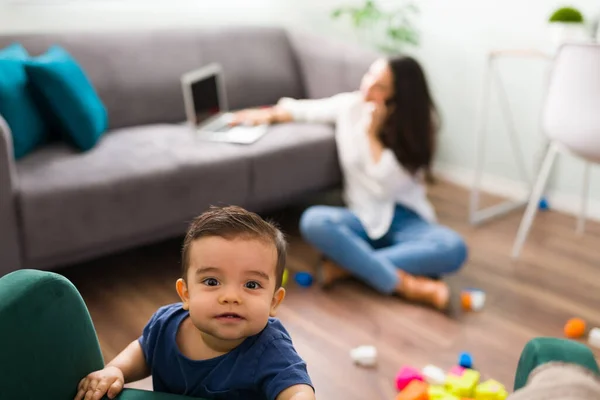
point(490, 390)
point(574, 328)
point(594, 337)
point(365, 356)
point(464, 385)
point(406, 375)
point(434, 375)
point(457, 370)
point(416, 390)
point(303, 279)
point(472, 299)
point(461, 382)
point(465, 360)
point(285, 277)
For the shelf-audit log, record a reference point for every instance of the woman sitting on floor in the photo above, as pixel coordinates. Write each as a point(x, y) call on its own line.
point(386, 137)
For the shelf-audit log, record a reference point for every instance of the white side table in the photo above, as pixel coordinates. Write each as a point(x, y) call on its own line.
point(476, 215)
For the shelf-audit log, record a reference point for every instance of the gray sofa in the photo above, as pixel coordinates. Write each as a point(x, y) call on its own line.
point(148, 177)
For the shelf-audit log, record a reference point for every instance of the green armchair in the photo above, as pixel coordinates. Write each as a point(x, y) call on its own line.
point(47, 340)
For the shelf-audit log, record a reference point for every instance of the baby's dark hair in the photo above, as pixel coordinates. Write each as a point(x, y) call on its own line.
point(233, 222)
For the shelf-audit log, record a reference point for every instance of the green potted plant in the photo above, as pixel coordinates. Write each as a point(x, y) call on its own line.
point(567, 24)
point(389, 31)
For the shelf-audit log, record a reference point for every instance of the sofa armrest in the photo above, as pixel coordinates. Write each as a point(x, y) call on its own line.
point(329, 66)
point(10, 253)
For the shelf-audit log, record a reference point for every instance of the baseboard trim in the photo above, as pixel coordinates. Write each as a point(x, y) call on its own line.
point(514, 190)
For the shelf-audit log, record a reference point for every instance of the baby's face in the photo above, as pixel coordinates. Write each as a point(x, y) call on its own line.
point(231, 286)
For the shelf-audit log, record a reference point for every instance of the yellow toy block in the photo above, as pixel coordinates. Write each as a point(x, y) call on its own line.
point(490, 390)
point(463, 386)
point(437, 392)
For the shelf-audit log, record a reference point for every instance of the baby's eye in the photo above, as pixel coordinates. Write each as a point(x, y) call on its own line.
point(210, 282)
point(253, 285)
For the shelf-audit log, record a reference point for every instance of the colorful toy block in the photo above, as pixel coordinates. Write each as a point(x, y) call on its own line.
point(594, 337)
point(303, 279)
point(457, 370)
point(465, 360)
point(575, 328)
point(416, 390)
point(365, 356)
point(406, 375)
point(437, 392)
point(434, 375)
point(490, 390)
point(472, 299)
point(463, 386)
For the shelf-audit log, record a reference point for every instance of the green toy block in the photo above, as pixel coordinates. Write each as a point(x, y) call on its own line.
point(463, 386)
point(490, 390)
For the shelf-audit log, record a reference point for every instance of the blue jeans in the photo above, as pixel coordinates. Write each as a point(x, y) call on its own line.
point(411, 244)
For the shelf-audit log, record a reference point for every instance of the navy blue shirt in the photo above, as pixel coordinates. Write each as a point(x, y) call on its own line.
point(258, 369)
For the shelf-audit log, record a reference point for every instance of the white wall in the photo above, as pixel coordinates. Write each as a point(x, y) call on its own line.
point(456, 37)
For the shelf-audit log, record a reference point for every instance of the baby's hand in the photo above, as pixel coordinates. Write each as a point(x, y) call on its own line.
point(108, 381)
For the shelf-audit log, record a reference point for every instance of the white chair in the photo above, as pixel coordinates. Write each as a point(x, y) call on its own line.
point(571, 120)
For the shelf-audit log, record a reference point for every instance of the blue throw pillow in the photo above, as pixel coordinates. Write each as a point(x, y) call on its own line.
point(68, 93)
point(17, 105)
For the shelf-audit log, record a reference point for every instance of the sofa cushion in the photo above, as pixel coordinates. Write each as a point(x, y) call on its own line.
point(139, 181)
point(66, 91)
point(17, 105)
point(293, 159)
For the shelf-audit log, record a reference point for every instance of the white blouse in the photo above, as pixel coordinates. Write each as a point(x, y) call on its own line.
point(371, 190)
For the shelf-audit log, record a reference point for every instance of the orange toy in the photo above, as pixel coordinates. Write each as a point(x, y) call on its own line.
point(575, 328)
point(416, 390)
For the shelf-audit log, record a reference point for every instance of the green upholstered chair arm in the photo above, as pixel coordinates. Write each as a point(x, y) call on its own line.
point(47, 339)
point(136, 394)
point(542, 350)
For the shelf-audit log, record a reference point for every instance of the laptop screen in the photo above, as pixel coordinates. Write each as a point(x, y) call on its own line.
point(205, 97)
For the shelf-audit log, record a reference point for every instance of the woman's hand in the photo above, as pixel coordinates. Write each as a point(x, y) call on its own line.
point(261, 116)
point(378, 113)
point(255, 116)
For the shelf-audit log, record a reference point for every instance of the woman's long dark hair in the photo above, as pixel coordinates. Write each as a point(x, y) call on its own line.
point(410, 129)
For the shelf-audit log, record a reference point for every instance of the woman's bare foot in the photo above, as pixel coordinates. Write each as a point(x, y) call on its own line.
point(328, 272)
point(424, 290)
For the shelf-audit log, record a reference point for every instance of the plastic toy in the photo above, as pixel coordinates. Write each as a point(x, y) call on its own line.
point(490, 390)
point(434, 375)
point(406, 375)
point(472, 299)
point(440, 393)
point(285, 277)
point(463, 386)
point(574, 328)
point(303, 279)
point(364, 355)
point(594, 337)
point(416, 390)
point(457, 370)
point(465, 360)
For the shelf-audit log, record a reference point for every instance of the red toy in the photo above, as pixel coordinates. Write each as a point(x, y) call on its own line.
point(416, 390)
point(406, 375)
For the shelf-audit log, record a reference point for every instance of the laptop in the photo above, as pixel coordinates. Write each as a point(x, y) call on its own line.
point(207, 111)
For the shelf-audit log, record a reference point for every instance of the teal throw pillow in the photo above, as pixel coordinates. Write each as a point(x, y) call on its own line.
point(66, 90)
point(17, 104)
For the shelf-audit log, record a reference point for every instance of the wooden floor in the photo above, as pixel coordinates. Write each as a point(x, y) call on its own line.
point(556, 278)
